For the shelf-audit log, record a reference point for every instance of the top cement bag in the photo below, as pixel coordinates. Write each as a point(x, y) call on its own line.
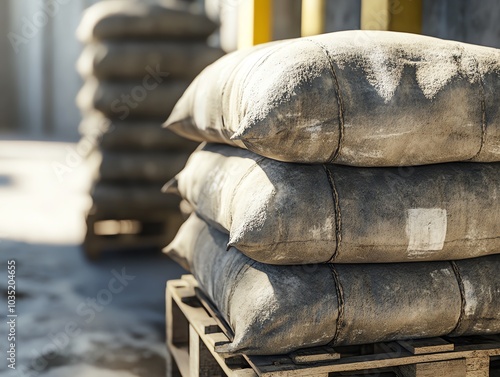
point(118, 19)
point(361, 98)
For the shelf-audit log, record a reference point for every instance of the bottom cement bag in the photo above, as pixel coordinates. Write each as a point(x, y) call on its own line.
point(277, 309)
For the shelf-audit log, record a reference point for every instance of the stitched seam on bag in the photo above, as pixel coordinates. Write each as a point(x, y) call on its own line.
point(456, 271)
point(239, 276)
point(483, 104)
point(338, 216)
point(340, 103)
point(236, 188)
point(280, 231)
point(340, 303)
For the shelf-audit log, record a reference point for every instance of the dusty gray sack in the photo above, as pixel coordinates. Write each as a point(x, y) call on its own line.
point(121, 166)
point(285, 213)
point(361, 98)
point(128, 60)
point(130, 135)
point(119, 19)
point(150, 99)
point(277, 309)
point(137, 196)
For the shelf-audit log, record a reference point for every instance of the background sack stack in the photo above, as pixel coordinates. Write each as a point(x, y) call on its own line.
point(398, 201)
point(137, 61)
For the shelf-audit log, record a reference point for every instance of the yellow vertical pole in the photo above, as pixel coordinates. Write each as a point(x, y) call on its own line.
point(255, 22)
point(394, 15)
point(375, 14)
point(313, 17)
point(407, 16)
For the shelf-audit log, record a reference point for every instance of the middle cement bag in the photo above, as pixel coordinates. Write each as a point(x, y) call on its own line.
point(284, 213)
point(277, 309)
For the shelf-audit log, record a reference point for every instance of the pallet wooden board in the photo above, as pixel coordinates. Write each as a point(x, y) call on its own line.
point(194, 334)
point(129, 230)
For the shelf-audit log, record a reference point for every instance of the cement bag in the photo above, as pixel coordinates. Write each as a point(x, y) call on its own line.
point(277, 309)
point(128, 60)
point(143, 197)
point(356, 98)
point(119, 19)
point(152, 98)
point(131, 135)
point(284, 213)
point(137, 167)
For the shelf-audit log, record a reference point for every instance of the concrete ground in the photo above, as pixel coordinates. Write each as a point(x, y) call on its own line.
point(74, 317)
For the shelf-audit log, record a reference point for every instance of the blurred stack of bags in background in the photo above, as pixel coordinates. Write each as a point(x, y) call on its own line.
point(137, 61)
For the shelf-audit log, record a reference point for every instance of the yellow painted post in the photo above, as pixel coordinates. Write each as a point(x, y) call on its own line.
point(255, 22)
point(375, 14)
point(313, 17)
point(407, 16)
point(394, 15)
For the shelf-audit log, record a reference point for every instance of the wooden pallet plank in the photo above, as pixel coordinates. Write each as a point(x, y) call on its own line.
point(429, 345)
point(172, 368)
point(437, 369)
point(181, 357)
point(181, 292)
point(308, 356)
point(129, 229)
point(265, 367)
point(201, 362)
point(478, 366)
point(178, 326)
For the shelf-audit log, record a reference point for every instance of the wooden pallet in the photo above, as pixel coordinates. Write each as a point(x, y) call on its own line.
point(130, 230)
point(195, 330)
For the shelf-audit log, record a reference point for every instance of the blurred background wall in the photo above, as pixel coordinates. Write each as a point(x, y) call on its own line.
point(463, 20)
point(42, 46)
point(38, 56)
point(7, 118)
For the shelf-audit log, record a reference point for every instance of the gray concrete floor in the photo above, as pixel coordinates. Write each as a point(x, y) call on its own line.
point(75, 318)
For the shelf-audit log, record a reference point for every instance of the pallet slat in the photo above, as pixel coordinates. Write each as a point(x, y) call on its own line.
point(127, 229)
point(431, 345)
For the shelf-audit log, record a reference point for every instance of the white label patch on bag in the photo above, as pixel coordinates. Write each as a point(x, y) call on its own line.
point(426, 230)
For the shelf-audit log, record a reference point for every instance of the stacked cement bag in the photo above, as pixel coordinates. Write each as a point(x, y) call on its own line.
point(277, 309)
point(392, 228)
point(356, 98)
point(286, 213)
point(137, 61)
